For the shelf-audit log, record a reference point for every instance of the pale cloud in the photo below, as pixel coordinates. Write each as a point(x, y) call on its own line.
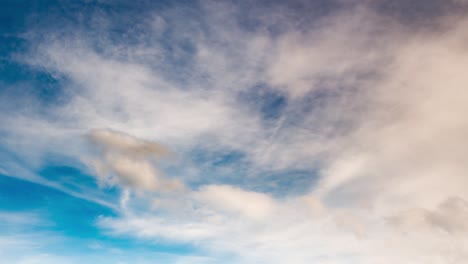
point(337, 53)
point(127, 161)
point(405, 152)
point(386, 137)
point(230, 199)
point(22, 219)
point(127, 145)
point(410, 146)
point(450, 216)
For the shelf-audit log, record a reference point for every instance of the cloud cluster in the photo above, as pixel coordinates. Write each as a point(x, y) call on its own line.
point(127, 161)
point(374, 112)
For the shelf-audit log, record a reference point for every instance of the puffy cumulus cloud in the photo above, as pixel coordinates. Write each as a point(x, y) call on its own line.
point(126, 160)
point(224, 197)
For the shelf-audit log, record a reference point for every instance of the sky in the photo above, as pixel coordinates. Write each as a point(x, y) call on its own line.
point(247, 131)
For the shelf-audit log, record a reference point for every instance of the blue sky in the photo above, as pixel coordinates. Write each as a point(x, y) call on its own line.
point(233, 131)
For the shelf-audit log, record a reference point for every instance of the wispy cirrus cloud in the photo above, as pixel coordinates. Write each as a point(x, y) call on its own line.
point(369, 105)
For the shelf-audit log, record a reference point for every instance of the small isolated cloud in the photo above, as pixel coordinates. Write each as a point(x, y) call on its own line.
point(235, 200)
point(113, 141)
point(128, 161)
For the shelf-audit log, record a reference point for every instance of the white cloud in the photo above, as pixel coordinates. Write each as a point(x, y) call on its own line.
point(334, 55)
point(450, 216)
point(111, 140)
point(127, 161)
point(407, 152)
point(387, 131)
point(409, 148)
point(230, 199)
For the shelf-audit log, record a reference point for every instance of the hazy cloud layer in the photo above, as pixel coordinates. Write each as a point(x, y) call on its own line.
point(370, 107)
